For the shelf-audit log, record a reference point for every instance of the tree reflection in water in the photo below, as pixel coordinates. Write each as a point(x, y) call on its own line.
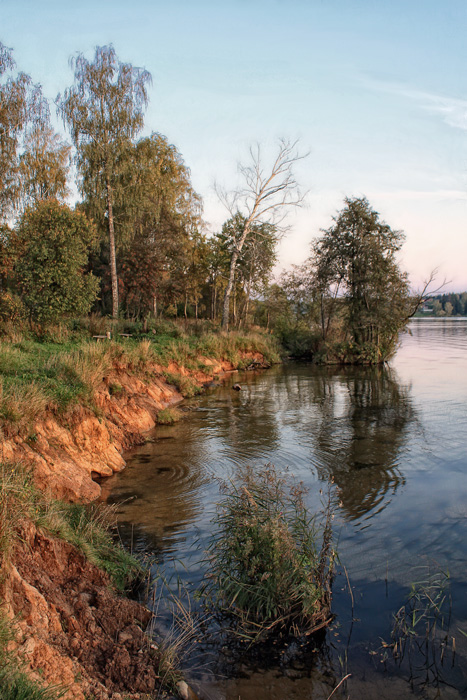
point(360, 422)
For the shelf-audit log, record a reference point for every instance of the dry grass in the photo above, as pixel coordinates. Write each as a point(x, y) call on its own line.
point(22, 403)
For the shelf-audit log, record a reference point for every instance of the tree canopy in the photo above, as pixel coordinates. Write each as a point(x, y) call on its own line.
point(104, 112)
point(356, 277)
point(51, 247)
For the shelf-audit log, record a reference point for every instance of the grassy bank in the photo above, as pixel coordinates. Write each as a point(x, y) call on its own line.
point(50, 374)
point(64, 367)
point(24, 508)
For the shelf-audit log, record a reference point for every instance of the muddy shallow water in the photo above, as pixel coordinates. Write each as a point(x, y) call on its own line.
point(393, 442)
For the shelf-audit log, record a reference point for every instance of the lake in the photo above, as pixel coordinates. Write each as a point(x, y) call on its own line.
point(392, 442)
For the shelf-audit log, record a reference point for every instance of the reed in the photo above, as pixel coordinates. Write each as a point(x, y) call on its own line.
point(270, 565)
point(421, 640)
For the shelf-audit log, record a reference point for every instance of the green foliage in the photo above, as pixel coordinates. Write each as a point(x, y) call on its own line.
point(162, 215)
point(168, 416)
point(350, 294)
point(52, 245)
point(356, 258)
point(267, 570)
point(445, 305)
point(104, 112)
point(254, 263)
point(12, 308)
point(44, 163)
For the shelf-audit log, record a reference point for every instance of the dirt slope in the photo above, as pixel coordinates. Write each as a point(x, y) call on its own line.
point(67, 451)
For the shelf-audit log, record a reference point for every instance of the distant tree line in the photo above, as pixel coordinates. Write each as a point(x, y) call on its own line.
point(136, 246)
point(445, 305)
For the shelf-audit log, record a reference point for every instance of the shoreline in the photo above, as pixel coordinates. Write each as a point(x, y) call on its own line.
point(63, 614)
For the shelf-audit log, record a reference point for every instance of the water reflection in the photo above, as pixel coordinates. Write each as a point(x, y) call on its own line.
point(158, 494)
point(370, 430)
point(366, 415)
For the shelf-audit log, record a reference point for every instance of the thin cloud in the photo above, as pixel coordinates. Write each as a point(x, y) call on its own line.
point(452, 109)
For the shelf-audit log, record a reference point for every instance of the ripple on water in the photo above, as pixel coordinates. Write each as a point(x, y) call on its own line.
point(393, 442)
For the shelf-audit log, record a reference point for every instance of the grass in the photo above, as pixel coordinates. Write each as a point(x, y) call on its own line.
point(85, 527)
point(179, 641)
point(270, 568)
point(64, 368)
point(420, 635)
point(168, 416)
point(187, 386)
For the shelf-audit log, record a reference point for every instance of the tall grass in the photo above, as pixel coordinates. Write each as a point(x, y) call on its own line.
point(40, 376)
point(270, 566)
point(85, 527)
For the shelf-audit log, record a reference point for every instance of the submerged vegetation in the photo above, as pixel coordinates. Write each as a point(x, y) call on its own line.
point(422, 642)
point(270, 564)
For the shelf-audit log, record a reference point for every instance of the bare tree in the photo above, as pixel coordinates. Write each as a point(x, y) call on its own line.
point(263, 197)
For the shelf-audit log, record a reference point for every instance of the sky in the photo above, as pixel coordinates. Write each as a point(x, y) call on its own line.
point(375, 92)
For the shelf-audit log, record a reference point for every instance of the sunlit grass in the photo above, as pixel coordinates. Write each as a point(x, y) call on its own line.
point(36, 376)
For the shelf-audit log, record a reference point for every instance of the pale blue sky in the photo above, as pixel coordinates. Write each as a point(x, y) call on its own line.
point(376, 91)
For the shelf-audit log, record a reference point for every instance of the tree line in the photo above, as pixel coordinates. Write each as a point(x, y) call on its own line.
point(445, 305)
point(136, 245)
point(147, 244)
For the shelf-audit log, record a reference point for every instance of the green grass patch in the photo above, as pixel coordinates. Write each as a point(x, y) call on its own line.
point(88, 528)
point(168, 416)
point(40, 375)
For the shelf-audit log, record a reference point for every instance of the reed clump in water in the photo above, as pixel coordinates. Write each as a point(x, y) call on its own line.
point(270, 565)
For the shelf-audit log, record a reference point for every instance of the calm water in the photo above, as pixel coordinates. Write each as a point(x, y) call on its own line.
point(394, 442)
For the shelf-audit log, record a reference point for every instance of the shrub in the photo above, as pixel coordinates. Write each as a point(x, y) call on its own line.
point(267, 570)
point(168, 416)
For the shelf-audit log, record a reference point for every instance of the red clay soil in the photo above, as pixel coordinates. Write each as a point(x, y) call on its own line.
point(72, 629)
point(67, 452)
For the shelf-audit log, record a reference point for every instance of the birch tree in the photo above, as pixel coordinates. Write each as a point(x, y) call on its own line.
point(104, 112)
point(265, 196)
point(20, 106)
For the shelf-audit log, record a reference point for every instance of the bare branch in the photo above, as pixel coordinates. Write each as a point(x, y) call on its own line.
point(427, 291)
point(265, 196)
